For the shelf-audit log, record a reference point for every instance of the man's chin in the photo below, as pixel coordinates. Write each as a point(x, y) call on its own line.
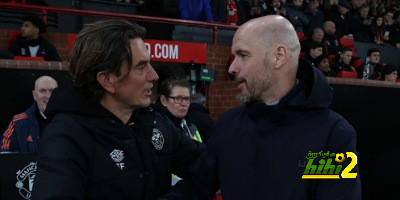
point(243, 98)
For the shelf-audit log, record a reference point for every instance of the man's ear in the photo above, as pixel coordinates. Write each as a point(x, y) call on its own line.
point(107, 81)
point(36, 30)
point(280, 56)
point(34, 94)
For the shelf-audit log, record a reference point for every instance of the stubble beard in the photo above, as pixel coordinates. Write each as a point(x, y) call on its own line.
point(256, 88)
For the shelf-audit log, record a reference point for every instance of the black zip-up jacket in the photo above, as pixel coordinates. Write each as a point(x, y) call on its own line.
point(259, 152)
point(20, 47)
point(88, 153)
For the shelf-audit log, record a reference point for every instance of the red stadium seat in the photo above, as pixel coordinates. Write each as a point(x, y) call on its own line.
point(357, 63)
point(39, 58)
point(71, 38)
point(12, 37)
point(331, 58)
point(347, 42)
point(347, 74)
point(301, 36)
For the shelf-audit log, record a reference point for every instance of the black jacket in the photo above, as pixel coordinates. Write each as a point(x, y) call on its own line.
point(200, 116)
point(88, 153)
point(259, 152)
point(20, 47)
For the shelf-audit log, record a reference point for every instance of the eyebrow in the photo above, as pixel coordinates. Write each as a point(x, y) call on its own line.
point(241, 51)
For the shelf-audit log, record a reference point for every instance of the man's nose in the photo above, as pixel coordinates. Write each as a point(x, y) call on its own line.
point(233, 68)
point(152, 75)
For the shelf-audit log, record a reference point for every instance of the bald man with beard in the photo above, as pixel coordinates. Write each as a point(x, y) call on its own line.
point(260, 147)
point(25, 129)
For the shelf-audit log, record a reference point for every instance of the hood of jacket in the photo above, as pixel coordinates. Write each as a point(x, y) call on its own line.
point(311, 92)
point(67, 99)
point(198, 107)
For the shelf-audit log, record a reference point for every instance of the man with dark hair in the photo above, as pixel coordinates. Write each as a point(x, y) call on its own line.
point(389, 73)
point(30, 43)
point(260, 148)
point(316, 49)
point(104, 142)
point(371, 69)
point(343, 63)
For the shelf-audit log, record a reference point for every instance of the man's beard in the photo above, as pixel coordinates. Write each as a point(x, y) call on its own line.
point(256, 89)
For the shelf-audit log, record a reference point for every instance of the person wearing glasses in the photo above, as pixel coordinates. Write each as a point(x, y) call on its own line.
point(174, 101)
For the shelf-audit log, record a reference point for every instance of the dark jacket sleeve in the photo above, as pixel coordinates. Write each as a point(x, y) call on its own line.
point(201, 182)
point(186, 152)
point(342, 139)
point(62, 165)
point(52, 54)
point(15, 48)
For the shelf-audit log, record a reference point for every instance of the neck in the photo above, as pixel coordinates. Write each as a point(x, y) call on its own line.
point(278, 92)
point(35, 37)
point(121, 112)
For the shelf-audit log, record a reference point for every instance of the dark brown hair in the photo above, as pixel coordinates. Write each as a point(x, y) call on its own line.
point(102, 46)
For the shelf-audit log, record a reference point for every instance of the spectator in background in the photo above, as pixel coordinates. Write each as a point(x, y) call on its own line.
point(329, 6)
point(232, 13)
point(296, 16)
point(174, 101)
point(389, 73)
point(313, 53)
point(381, 35)
point(30, 43)
point(322, 63)
point(315, 16)
point(394, 31)
point(222, 11)
point(371, 69)
point(275, 8)
point(387, 19)
point(361, 25)
point(342, 19)
point(197, 10)
point(317, 36)
point(343, 63)
point(25, 129)
point(330, 39)
point(356, 5)
point(199, 115)
point(263, 5)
